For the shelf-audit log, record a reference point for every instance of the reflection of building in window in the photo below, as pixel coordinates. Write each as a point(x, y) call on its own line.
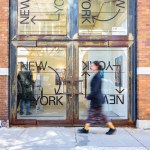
point(103, 17)
point(44, 17)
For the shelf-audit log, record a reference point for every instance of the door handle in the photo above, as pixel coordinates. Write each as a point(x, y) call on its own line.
point(78, 81)
point(80, 86)
point(67, 81)
point(63, 88)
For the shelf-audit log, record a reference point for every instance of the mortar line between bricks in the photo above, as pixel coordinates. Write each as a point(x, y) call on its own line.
point(136, 139)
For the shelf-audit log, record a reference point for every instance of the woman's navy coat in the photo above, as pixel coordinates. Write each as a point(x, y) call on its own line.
point(96, 95)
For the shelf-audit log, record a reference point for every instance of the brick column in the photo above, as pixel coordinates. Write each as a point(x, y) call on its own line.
point(4, 48)
point(143, 36)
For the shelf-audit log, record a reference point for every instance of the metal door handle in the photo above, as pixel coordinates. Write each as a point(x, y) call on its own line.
point(66, 81)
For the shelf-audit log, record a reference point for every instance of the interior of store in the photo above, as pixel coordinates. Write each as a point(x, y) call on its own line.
point(116, 104)
point(52, 62)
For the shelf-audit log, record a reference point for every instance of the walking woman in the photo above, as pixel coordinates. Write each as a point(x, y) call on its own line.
point(95, 114)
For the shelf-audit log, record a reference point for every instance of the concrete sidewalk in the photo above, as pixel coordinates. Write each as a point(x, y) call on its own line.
point(61, 138)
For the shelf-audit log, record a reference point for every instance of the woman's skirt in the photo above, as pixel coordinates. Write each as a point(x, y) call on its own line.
point(96, 116)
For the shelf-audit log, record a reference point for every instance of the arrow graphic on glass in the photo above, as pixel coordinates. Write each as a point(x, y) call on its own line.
point(85, 74)
point(120, 91)
point(34, 20)
point(96, 17)
point(55, 90)
point(85, 65)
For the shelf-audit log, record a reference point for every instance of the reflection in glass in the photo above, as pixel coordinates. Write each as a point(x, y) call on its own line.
point(46, 17)
point(45, 100)
point(114, 76)
point(103, 17)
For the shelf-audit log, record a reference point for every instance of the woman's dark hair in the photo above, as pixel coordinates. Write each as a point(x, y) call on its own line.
point(96, 63)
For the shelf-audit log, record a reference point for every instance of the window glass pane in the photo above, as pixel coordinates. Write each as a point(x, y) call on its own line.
point(45, 17)
point(41, 75)
point(103, 17)
point(114, 76)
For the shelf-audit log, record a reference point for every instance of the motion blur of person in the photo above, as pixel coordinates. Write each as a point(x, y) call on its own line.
point(95, 113)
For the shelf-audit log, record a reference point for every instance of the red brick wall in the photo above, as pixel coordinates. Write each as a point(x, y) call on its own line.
point(4, 28)
point(3, 98)
point(143, 59)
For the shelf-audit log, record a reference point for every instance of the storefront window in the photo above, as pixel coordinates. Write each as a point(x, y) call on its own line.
point(44, 17)
point(41, 74)
point(103, 17)
point(54, 42)
point(114, 74)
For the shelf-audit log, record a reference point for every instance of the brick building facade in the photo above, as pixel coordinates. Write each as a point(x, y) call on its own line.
point(143, 60)
point(143, 63)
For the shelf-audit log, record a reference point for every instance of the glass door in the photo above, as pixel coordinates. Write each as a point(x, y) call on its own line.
point(57, 78)
point(114, 75)
point(44, 80)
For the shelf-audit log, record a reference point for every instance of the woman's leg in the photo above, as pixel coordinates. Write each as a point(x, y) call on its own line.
point(87, 126)
point(111, 127)
point(103, 119)
point(85, 129)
